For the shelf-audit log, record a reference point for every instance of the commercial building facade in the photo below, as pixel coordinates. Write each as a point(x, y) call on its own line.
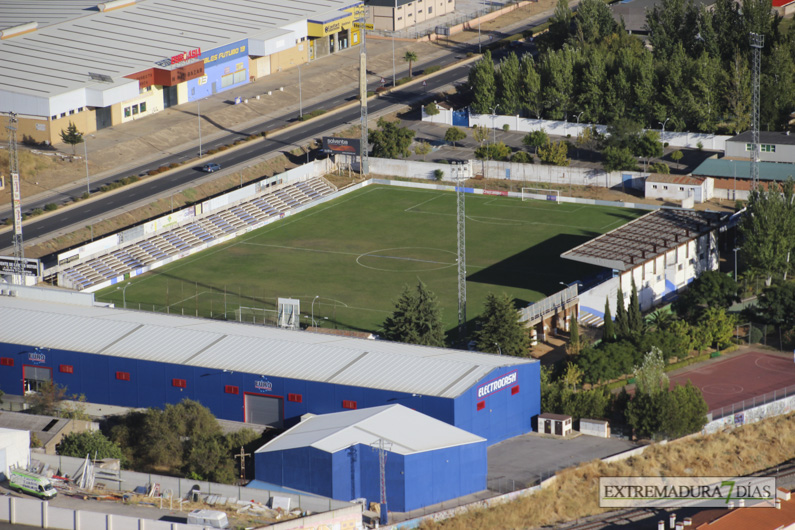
point(101, 66)
point(395, 15)
point(254, 373)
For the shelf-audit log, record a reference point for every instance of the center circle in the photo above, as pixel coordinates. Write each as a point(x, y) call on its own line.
point(407, 259)
point(722, 388)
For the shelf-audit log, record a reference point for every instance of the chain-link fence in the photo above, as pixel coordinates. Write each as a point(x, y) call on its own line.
point(750, 403)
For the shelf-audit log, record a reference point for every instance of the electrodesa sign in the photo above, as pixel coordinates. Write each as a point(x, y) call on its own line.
point(498, 384)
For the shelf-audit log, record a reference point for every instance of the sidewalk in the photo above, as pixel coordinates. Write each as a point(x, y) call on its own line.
point(175, 129)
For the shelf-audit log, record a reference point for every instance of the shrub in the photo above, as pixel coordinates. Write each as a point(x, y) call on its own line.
point(522, 157)
point(85, 195)
point(173, 165)
point(402, 81)
point(37, 211)
point(432, 69)
point(162, 169)
point(659, 167)
point(438, 174)
point(470, 54)
point(314, 114)
point(700, 145)
point(506, 127)
point(50, 207)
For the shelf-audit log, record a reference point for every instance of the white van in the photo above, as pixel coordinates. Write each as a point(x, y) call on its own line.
point(38, 485)
point(209, 518)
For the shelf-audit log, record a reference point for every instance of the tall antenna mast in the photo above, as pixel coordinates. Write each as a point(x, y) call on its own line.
point(16, 200)
point(757, 42)
point(365, 169)
point(458, 170)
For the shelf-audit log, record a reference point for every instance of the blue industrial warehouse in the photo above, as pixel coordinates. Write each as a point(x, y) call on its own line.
point(252, 373)
point(337, 455)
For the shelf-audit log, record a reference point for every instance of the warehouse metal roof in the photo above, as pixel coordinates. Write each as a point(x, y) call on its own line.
point(246, 348)
point(404, 431)
point(741, 169)
point(78, 39)
point(645, 238)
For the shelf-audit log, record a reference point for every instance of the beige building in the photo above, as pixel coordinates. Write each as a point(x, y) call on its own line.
point(394, 15)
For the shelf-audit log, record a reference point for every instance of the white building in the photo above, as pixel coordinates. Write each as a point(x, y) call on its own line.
point(14, 449)
point(662, 252)
point(679, 187)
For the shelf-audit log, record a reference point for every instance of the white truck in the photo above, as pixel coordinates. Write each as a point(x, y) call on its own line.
point(29, 482)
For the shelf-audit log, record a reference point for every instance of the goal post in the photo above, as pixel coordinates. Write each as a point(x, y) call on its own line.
point(255, 315)
point(540, 194)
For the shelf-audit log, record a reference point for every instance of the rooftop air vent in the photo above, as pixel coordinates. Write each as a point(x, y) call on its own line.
point(114, 4)
point(18, 30)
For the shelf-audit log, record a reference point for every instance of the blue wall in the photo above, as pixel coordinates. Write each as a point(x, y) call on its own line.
point(413, 481)
point(504, 414)
point(218, 63)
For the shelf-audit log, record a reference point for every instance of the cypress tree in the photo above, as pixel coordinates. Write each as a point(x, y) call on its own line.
point(634, 316)
point(622, 323)
point(609, 330)
point(574, 335)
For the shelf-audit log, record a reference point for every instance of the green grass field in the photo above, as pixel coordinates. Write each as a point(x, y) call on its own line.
point(356, 253)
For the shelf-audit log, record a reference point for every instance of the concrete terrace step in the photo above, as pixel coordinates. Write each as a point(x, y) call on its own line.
point(591, 320)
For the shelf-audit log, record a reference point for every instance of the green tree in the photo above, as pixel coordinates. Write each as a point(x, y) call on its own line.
point(718, 326)
point(410, 57)
point(624, 133)
point(480, 134)
point(498, 151)
point(676, 156)
point(522, 157)
point(618, 159)
point(531, 86)
point(768, 230)
point(575, 344)
point(454, 134)
point(559, 25)
point(776, 306)
point(536, 139)
point(634, 316)
point(683, 411)
point(391, 140)
point(710, 289)
point(557, 70)
point(509, 88)
point(53, 399)
point(650, 377)
point(672, 22)
point(609, 330)
point(622, 319)
point(592, 82)
point(594, 21)
point(93, 443)
point(737, 93)
point(499, 328)
point(649, 146)
point(554, 153)
point(422, 149)
point(431, 109)
point(644, 413)
point(416, 318)
point(72, 136)
point(483, 84)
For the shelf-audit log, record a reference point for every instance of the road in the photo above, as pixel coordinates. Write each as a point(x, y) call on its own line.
point(79, 214)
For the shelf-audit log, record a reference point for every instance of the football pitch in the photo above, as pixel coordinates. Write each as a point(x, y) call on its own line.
point(353, 255)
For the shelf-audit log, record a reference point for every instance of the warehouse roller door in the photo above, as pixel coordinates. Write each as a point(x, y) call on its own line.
point(35, 377)
point(264, 410)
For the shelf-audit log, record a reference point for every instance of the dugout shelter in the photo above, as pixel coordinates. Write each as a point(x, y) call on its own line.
point(251, 373)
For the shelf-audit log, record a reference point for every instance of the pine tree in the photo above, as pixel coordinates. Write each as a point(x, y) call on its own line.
point(609, 330)
point(574, 336)
point(72, 136)
point(634, 316)
point(416, 318)
point(622, 322)
point(483, 83)
point(509, 85)
point(500, 329)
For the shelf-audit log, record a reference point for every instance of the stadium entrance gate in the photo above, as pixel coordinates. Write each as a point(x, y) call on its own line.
point(264, 410)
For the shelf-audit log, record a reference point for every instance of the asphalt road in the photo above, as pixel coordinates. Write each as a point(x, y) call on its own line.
point(79, 214)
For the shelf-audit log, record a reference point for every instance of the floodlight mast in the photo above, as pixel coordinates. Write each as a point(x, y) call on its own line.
point(757, 42)
point(459, 178)
point(363, 92)
point(16, 201)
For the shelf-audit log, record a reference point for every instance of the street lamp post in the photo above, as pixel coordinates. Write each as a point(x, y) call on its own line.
point(498, 347)
point(88, 183)
point(493, 120)
point(314, 324)
point(300, 95)
point(124, 294)
point(394, 29)
point(662, 136)
point(735, 249)
point(199, 114)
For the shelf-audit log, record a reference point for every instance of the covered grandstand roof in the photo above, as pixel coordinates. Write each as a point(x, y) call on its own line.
point(247, 348)
point(645, 238)
point(407, 430)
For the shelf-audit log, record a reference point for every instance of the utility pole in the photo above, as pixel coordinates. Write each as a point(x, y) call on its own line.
point(364, 169)
point(757, 42)
point(462, 251)
point(242, 456)
point(16, 200)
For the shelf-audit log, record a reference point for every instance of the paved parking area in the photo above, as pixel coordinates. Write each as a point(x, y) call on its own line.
point(527, 459)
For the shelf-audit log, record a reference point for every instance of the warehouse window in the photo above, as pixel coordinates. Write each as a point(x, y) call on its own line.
point(6, 361)
point(179, 383)
point(127, 112)
point(515, 390)
point(481, 405)
point(296, 398)
point(231, 389)
point(349, 404)
point(66, 369)
point(123, 376)
point(143, 106)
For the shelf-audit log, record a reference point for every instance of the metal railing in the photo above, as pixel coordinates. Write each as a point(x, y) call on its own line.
point(549, 304)
point(751, 403)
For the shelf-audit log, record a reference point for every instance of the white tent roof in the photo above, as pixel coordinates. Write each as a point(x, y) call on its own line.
point(404, 431)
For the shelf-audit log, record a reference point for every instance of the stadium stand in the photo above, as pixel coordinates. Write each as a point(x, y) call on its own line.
point(171, 243)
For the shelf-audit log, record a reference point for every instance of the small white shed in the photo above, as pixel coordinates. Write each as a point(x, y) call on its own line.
point(598, 428)
point(679, 187)
point(14, 449)
point(557, 424)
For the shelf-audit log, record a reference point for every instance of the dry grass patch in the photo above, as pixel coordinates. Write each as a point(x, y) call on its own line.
point(574, 494)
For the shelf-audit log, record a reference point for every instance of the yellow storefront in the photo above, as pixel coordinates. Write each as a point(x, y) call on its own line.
point(335, 33)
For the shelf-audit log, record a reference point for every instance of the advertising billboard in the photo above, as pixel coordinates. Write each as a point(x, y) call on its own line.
point(342, 146)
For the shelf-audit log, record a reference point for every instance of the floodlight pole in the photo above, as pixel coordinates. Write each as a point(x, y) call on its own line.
point(199, 114)
point(88, 182)
point(462, 267)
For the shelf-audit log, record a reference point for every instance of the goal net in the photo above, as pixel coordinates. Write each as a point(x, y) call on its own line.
point(540, 194)
point(254, 315)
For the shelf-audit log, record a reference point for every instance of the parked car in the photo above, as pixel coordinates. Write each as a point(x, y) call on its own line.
point(209, 168)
